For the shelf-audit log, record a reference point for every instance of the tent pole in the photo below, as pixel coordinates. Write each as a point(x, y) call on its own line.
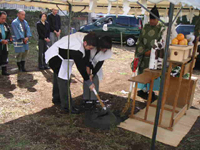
point(171, 11)
point(68, 83)
point(177, 15)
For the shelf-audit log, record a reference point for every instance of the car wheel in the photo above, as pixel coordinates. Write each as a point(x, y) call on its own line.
point(130, 41)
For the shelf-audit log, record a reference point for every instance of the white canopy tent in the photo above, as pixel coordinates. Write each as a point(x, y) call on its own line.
point(109, 6)
point(123, 7)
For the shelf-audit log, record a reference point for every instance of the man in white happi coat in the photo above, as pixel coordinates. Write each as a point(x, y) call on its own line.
point(56, 56)
point(94, 61)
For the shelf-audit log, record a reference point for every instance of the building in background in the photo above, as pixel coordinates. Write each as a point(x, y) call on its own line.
point(16, 6)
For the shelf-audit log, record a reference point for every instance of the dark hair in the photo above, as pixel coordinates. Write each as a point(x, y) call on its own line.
point(3, 13)
point(91, 39)
point(104, 42)
point(42, 15)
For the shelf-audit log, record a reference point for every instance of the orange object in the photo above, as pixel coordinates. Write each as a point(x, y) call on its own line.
point(180, 36)
point(186, 41)
point(175, 41)
point(182, 42)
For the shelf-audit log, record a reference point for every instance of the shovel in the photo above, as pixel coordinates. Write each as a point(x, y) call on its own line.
point(100, 119)
point(100, 101)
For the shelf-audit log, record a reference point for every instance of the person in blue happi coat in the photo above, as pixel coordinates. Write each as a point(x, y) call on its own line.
point(21, 34)
point(5, 37)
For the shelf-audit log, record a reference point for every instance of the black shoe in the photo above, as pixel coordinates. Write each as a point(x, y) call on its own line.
point(19, 66)
point(4, 71)
point(142, 94)
point(23, 66)
point(90, 104)
point(64, 111)
point(73, 111)
point(41, 68)
point(56, 103)
point(46, 67)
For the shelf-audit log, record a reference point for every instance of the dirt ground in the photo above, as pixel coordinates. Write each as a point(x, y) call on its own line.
point(29, 120)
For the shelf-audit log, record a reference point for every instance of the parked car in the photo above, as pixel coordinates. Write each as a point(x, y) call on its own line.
point(98, 16)
point(128, 26)
point(186, 29)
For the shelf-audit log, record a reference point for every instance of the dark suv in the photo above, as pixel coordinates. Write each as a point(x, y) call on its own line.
point(128, 27)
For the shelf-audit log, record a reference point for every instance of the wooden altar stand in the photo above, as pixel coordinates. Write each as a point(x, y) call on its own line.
point(172, 94)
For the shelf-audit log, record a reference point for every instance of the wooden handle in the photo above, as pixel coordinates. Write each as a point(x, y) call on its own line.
point(95, 92)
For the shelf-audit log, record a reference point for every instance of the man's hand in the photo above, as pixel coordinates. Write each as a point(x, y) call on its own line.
point(57, 34)
point(47, 39)
point(4, 42)
point(148, 53)
point(91, 76)
point(92, 87)
point(26, 39)
point(11, 39)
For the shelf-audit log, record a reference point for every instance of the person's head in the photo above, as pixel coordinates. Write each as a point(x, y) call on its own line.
point(43, 17)
point(21, 15)
point(54, 11)
point(153, 20)
point(104, 43)
point(90, 41)
point(3, 17)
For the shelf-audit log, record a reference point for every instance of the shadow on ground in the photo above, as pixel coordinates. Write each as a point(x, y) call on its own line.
point(48, 74)
point(49, 129)
point(26, 80)
point(6, 87)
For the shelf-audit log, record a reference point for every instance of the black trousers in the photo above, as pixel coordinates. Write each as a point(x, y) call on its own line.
point(42, 44)
point(3, 59)
point(60, 92)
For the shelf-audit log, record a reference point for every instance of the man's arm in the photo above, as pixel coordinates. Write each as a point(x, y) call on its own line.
point(48, 30)
point(77, 56)
point(87, 58)
point(97, 67)
point(28, 30)
point(80, 64)
point(59, 24)
point(8, 36)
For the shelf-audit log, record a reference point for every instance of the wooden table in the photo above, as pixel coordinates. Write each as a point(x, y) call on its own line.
point(148, 76)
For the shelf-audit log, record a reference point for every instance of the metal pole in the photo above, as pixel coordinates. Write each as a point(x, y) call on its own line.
point(121, 36)
point(171, 11)
point(177, 15)
point(69, 28)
